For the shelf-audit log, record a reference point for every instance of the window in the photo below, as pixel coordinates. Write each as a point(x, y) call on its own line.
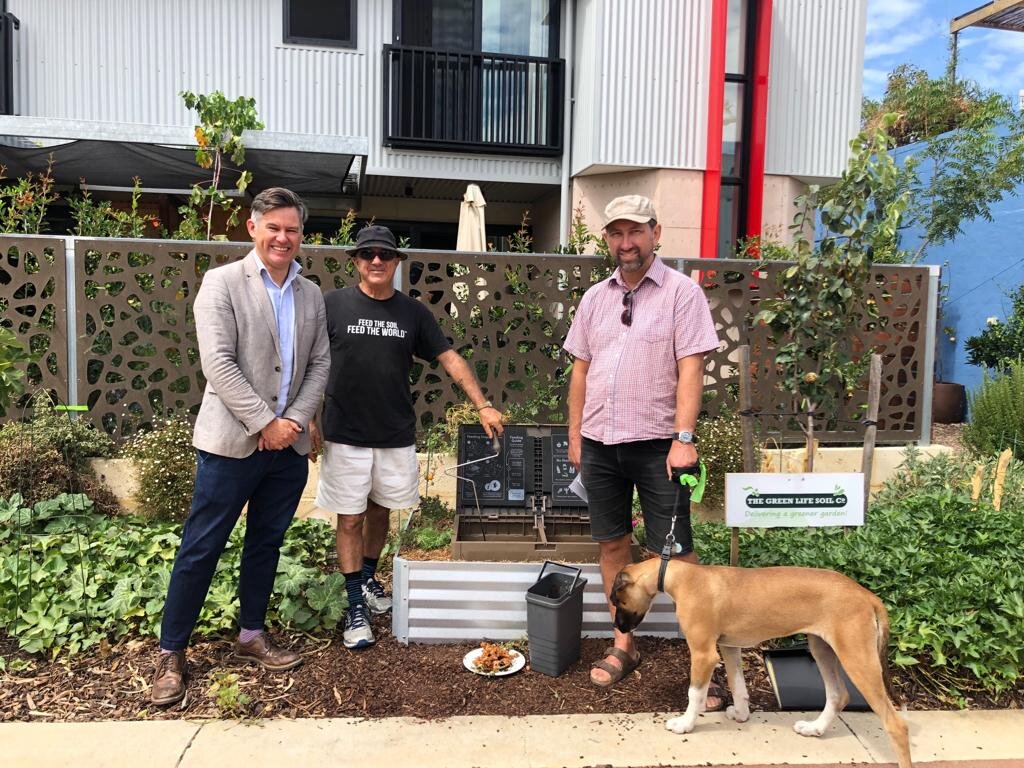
point(320, 22)
point(739, 41)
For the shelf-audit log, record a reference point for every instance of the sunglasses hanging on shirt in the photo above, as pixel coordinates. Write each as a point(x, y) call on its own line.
point(627, 302)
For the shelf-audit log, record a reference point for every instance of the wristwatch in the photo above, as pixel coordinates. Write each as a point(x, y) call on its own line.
point(686, 437)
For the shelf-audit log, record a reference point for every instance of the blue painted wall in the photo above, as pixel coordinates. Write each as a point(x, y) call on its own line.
point(986, 264)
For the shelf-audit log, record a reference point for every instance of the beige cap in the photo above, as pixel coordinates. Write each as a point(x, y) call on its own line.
point(630, 207)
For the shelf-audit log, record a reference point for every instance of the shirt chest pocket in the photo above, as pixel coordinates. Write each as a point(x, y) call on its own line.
point(655, 330)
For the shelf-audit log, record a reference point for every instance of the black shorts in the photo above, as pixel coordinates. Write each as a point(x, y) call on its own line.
point(610, 473)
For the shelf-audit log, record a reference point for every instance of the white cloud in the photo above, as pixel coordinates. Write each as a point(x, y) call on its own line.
point(874, 82)
point(896, 27)
point(884, 15)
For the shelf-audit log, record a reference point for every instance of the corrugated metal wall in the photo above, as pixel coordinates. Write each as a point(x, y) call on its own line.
point(641, 99)
point(127, 60)
point(446, 601)
point(814, 91)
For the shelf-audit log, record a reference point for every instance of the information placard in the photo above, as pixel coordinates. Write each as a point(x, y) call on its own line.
point(766, 500)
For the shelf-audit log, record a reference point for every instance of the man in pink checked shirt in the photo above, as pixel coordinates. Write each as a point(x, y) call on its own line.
point(639, 340)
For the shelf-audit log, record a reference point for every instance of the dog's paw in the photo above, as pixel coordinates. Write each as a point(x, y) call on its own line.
point(808, 728)
point(680, 724)
point(739, 715)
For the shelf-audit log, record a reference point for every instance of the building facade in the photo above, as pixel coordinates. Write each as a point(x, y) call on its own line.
point(720, 110)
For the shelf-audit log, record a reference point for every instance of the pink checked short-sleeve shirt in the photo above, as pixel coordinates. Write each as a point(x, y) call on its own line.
point(631, 382)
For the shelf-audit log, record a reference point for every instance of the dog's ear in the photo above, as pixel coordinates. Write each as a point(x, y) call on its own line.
point(622, 581)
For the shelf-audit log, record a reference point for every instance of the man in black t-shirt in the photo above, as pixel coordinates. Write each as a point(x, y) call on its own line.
point(369, 425)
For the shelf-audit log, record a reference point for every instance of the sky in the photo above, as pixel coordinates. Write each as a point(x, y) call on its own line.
point(917, 32)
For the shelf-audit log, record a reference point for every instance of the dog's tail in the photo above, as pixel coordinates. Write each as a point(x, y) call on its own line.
point(882, 624)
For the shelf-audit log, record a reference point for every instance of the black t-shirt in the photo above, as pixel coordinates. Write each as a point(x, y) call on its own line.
point(368, 400)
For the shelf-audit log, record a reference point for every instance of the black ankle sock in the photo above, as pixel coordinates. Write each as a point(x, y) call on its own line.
point(354, 588)
point(369, 567)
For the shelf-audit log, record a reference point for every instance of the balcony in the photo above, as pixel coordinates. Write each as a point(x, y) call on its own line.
point(472, 102)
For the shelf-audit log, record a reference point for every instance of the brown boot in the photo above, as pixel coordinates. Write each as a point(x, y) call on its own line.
point(267, 654)
point(169, 681)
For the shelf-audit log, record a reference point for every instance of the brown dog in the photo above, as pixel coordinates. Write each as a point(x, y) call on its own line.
point(740, 607)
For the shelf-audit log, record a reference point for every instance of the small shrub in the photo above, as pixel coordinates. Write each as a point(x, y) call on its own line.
point(721, 448)
point(1000, 342)
point(166, 465)
point(431, 538)
point(997, 413)
point(48, 455)
point(227, 694)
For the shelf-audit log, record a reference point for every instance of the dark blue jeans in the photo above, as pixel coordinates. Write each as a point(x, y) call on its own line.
point(271, 482)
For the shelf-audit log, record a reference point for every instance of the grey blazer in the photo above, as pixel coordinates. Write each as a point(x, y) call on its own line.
point(241, 358)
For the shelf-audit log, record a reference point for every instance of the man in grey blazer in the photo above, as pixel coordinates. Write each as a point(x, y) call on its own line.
point(264, 349)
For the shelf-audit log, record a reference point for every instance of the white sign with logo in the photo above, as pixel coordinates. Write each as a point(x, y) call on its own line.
point(755, 500)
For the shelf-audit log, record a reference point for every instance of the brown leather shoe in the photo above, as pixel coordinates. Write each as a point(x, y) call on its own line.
point(169, 681)
point(267, 654)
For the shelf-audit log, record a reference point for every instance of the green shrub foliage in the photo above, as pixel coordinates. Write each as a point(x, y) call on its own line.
point(721, 448)
point(48, 455)
point(997, 413)
point(1000, 342)
point(165, 464)
point(946, 567)
point(70, 577)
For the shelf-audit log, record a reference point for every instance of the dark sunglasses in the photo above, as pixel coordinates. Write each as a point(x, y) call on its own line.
point(382, 255)
point(627, 302)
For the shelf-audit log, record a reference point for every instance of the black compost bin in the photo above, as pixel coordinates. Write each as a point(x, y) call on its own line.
point(554, 619)
point(797, 681)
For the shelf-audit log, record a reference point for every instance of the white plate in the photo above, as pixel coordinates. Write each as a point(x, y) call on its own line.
point(518, 662)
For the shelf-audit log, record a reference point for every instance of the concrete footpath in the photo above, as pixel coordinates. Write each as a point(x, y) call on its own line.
point(969, 739)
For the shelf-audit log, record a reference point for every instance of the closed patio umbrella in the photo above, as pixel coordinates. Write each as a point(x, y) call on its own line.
point(472, 228)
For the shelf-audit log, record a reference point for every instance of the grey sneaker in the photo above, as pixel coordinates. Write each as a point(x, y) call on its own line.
point(357, 632)
point(376, 598)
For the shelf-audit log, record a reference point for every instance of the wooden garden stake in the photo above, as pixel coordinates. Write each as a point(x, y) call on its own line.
point(747, 427)
point(874, 393)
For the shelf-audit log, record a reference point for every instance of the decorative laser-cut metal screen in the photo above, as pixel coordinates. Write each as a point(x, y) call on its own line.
point(509, 313)
point(33, 304)
point(733, 289)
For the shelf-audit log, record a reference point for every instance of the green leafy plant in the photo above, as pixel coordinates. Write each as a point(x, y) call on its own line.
point(937, 559)
point(521, 240)
point(997, 412)
point(70, 577)
point(580, 236)
point(48, 455)
point(101, 219)
point(762, 249)
point(219, 137)
point(13, 358)
point(429, 527)
point(721, 449)
point(165, 466)
point(820, 297)
point(1001, 342)
point(227, 694)
point(25, 202)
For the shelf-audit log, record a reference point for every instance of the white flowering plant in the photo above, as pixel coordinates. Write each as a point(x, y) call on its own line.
point(165, 463)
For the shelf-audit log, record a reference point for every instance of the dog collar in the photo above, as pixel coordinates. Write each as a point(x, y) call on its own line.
point(661, 573)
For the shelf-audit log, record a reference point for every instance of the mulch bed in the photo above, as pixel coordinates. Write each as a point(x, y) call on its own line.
point(386, 680)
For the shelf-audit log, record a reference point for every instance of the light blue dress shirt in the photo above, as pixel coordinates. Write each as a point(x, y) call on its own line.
point(282, 298)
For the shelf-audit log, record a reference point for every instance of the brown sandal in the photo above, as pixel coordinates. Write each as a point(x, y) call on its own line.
point(615, 673)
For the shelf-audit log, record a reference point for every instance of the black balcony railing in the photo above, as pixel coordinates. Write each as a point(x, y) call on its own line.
point(480, 102)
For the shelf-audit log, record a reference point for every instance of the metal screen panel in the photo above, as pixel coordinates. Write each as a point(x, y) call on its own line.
point(33, 304)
